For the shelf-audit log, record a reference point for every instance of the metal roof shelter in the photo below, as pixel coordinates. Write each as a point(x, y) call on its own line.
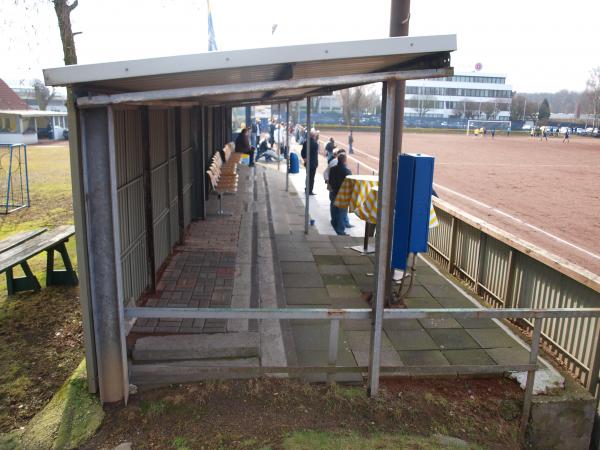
point(142, 133)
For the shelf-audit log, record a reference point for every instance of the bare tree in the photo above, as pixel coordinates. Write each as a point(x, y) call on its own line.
point(424, 105)
point(592, 93)
point(43, 95)
point(63, 14)
point(354, 101)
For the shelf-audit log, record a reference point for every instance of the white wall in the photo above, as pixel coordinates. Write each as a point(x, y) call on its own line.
point(18, 138)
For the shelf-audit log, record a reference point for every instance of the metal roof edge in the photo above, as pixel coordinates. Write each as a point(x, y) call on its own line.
point(82, 73)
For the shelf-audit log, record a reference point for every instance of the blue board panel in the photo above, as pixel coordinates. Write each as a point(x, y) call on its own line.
point(411, 213)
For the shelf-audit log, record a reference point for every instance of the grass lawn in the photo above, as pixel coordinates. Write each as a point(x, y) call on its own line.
point(274, 413)
point(40, 333)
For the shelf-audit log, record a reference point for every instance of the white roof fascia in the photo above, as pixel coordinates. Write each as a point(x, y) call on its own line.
point(68, 75)
point(32, 113)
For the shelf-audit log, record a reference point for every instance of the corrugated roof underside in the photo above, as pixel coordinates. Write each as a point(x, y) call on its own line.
point(311, 69)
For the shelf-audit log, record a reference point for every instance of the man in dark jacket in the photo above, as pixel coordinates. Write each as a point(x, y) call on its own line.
point(242, 145)
point(337, 175)
point(329, 149)
point(314, 161)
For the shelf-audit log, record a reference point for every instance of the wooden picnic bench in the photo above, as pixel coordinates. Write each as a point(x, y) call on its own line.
point(16, 250)
point(223, 175)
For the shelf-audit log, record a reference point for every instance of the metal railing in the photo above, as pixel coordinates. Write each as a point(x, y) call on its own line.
point(508, 272)
point(335, 315)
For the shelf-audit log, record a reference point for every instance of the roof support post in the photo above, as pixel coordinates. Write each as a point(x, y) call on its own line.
point(178, 159)
point(384, 226)
point(198, 158)
point(307, 165)
point(287, 143)
point(79, 212)
point(104, 250)
point(149, 216)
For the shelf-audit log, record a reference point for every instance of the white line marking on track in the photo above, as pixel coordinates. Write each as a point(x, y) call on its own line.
point(486, 206)
point(516, 219)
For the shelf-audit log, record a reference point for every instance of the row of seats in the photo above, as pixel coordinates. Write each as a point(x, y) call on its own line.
point(223, 174)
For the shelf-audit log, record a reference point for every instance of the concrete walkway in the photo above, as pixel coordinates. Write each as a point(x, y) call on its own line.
point(260, 257)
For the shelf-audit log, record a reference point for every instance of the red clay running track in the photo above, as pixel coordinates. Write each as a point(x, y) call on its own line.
point(547, 193)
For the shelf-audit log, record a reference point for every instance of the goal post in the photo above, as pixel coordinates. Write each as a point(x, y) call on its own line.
point(474, 124)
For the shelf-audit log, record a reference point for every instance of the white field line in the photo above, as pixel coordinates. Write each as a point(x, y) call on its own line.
point(491, 208)
point(516, 219)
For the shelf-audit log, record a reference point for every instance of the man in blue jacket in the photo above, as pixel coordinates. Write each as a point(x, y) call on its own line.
point(314, 160)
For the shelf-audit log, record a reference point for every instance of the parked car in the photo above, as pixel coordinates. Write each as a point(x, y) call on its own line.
point(580, 131)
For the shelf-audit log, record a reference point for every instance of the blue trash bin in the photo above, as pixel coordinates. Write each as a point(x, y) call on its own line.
point(294, 163)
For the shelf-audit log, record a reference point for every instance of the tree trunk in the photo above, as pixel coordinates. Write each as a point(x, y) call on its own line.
point(63, 14)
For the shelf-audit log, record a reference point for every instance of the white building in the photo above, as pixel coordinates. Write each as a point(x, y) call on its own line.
point(465, 95)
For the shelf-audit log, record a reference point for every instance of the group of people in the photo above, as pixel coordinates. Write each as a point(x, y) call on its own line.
point(334, 175)
point(262, 145)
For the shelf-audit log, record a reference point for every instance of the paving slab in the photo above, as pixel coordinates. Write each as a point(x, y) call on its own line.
point(302, 280)
point(343, 291)
point(473, 357)
point(443, 322)
point(477, 323)
point(333, 270)
point(328, 260)
point(314, 337)
point(423, 358)
point(356, 325)
point(196, 346)
point(411, 340)
point(421, 303)
point(348, 303)
point(298, 267)
point(290, 255)
point(364, 268)
point(354, 260)
point(512, 355)
point(307, 296)
point(492, 337)
point(420, 292)
point(447, 290)
point(320, 358)
point(452, 339)
point(404, 324)
point(337, 279)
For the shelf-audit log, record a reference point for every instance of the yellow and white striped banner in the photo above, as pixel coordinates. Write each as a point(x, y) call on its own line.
point(354, 191)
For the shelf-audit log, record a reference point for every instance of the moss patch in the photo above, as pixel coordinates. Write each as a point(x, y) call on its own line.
point(72, 416)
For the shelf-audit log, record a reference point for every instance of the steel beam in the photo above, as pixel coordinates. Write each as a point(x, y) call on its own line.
point(103, 245)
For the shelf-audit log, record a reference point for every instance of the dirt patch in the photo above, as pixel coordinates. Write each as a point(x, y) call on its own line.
point(262, 413)
point(41, 341)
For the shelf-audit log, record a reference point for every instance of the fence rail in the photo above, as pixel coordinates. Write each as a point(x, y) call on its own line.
point(511, 273)
point(335, 315)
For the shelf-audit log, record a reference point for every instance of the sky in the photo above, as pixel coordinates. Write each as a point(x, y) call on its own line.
point(540, 45)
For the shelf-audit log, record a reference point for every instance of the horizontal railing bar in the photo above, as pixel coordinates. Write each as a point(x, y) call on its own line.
point(393, 370)
point(355, 314)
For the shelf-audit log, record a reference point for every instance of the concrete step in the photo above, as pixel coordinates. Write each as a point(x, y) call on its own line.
point(196, 347)
point(193, 371)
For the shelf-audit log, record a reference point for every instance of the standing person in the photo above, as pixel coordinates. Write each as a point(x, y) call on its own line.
point(242, 145)
point(337, 175)
point(329, 149)
point(350, 142)
point(566, 138)
point(508, 131)
point(314, 160)
point(272, 132)
point(333, 163)
point(255, 133)
point(493, 132)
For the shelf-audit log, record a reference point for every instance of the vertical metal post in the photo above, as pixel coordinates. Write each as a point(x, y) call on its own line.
point(179, 162)
point(509, 280)
point(452, 250)
point(26, 175)
point(103, 243)
point(307, 182)
point(384, 231)
point(481, 249)
point(80, 216)
point(334, 332)
point(149, 215)
point(287, 143)
point(533, 356)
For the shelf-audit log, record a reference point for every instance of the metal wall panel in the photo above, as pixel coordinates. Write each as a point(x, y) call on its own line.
point(159, 163)
point(507, 277)
point(173, 199)
point(130, 198)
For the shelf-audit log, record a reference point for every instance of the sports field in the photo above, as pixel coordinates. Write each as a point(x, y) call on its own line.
point(545, 192)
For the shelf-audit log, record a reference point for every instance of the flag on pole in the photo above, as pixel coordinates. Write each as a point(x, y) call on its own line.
point(212, 42)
